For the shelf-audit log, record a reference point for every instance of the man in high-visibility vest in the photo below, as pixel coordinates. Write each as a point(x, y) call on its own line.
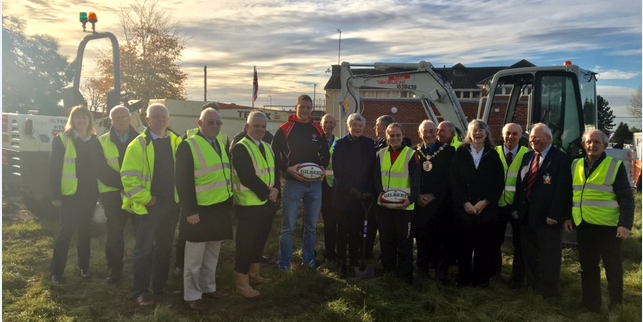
point(329, 215)
point(603, 213)
point(114, 144)
point(147, 174)
point(204, 183)
point(448, 134)
point(179, 259)
point(256, 188)
point(511, 155)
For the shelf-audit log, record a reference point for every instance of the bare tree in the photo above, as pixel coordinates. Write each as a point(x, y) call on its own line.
point(150, 51)
point(94, 92)
point(634, 106)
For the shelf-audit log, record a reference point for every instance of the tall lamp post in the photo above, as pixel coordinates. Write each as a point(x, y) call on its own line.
point(270, 100)
point(314, 94)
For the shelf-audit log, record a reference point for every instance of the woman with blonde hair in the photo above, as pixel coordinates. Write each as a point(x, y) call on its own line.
point(477, 183)
point(74, 189)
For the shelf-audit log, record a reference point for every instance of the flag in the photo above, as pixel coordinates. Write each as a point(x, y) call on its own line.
point(255, 86)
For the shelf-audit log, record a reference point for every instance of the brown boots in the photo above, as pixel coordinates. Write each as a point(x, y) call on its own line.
point(255, 278)
point(244, 288)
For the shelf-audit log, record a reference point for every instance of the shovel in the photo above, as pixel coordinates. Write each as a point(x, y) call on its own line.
point(362, 271)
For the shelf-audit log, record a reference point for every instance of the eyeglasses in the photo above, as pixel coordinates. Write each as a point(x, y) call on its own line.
point(213, 122)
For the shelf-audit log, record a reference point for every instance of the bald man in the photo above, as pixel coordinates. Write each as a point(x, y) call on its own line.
point(114, 144)
point(147, 175)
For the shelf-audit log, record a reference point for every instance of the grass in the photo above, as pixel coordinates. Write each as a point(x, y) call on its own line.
point(301, 295)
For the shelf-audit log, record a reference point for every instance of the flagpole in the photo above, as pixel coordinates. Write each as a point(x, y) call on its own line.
point(255, 87)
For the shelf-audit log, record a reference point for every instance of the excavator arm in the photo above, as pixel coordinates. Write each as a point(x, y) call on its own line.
point(427, 85)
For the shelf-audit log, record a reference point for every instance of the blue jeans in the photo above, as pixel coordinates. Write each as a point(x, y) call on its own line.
point(294, 192)
point(151, 255)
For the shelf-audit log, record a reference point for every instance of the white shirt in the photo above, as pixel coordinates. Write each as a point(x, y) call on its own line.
point(476, 155)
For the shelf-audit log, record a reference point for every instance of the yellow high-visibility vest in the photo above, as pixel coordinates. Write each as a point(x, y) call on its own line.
point(212, 173)
point(396, 175)
point(594, 199)
point(264, 169)
point(137, 171)
point(511, 175)
point(330, 179)
point(111, 155)
point(69, 181)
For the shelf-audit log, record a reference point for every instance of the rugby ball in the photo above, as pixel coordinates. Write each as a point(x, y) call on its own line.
point(310, 171)
point(393, 198)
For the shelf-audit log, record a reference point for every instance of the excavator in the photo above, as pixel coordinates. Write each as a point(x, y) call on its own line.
point(563, 97)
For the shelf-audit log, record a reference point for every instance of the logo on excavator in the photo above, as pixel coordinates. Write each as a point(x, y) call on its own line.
point(395, 80)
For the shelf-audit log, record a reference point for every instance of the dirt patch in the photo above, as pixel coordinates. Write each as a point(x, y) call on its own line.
point(14, 211)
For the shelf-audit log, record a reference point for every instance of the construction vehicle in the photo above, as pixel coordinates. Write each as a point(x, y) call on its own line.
point(26, 138)
point(563, 97)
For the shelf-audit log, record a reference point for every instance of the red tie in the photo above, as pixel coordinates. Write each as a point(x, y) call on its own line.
point(534, 172)
point(510, 158)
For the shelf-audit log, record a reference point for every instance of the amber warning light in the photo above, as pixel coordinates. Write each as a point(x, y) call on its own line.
point(91, 18)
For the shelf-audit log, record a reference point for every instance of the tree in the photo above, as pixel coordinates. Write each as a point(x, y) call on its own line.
point(95, 94)
point(149, 54)
point(622, 133)
point(634, 106)
point(605, 116)
point(33, 71)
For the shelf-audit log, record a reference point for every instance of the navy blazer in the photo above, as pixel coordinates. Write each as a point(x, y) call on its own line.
point(551, 194)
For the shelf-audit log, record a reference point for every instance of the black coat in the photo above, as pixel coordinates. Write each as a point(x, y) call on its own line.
point(473, 184)
point(215, 222)
point(353, 162)
point(90, 165)
point(436, 181)
point(551, 194)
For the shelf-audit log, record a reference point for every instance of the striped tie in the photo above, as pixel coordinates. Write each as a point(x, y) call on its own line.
point(534, 172)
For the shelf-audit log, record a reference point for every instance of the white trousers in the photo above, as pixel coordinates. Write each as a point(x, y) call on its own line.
point(200, 267)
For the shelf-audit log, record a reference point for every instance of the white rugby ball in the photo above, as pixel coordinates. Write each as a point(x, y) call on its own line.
point(310, 171)
point(393, 198)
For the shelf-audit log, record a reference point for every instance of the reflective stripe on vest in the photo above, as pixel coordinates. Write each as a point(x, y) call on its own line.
point(329, 170)
point(111, 155)
point(594, 199)
point(264, 169)
point(69, 181)
point(212, 175)
point(511, 174)
point(144, 177)
point(396, 175)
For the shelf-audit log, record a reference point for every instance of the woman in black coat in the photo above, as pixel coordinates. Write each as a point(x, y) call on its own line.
point(353, 161)
point(477, 183)
point(74, 189)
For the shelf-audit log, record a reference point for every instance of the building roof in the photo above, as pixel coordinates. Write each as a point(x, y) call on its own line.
point(460, 76)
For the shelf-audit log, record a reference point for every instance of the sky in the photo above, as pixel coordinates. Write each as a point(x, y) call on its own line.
point(294, 42)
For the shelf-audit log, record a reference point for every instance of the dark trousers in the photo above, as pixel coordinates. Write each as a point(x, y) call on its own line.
point(396, 241)
point(253, 227)
point(475, 253)
point(76, 213)
point(154, 237)
point(330, 217)
point(180, 250)
point(596, 243)
point(518, 264)
point(349, 235)
point(542, 252)
point(117, 219)
point(433, 238)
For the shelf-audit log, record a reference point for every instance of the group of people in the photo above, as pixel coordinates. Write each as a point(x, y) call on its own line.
point(460, 197)
point(158, 179)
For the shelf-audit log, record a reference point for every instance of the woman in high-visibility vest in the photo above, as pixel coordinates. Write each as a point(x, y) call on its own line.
point(74, 188)
point(397, 167)
point(477, 182)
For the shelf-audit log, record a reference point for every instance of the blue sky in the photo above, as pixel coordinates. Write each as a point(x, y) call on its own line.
point(294, 42)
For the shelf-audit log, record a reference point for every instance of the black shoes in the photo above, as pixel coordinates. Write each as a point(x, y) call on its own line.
point(113, 277)
point(85, 273)
point(145, 299)
point(58, 280)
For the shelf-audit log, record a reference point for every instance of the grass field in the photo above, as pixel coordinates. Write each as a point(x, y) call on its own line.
point(302, 295)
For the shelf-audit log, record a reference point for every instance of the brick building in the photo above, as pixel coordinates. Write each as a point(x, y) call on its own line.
point(467, 82)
